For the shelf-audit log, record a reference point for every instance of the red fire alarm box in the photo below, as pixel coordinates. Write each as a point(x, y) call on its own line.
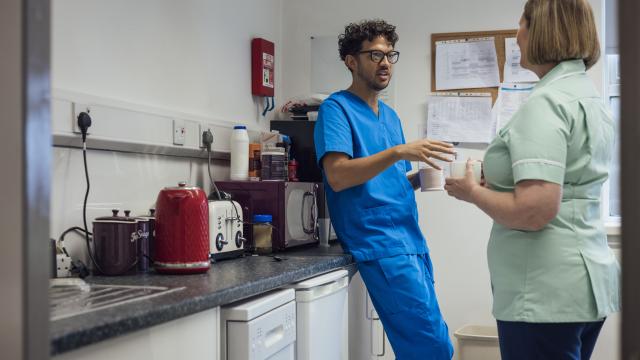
point(262, 67)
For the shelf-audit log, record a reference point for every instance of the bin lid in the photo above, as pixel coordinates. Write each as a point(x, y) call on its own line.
point(319, 280)
point(477, 332)
point(250, 309)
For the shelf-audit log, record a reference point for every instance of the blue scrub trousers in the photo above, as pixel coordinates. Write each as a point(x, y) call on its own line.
point(402, 292)
point(557, 341)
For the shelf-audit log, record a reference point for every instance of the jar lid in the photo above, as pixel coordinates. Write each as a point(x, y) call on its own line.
point(273, 151)
point(262, 218)
point(239, 127)
point(116, 218)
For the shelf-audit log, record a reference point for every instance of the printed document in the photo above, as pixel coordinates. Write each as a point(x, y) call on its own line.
point(466, 64)
point(460, 118)
point(510, 98)
point(513, 72)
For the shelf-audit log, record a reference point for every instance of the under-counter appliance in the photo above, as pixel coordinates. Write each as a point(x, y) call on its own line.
point(262, 328)
point(225, 229)
point(322, 313)
point(292, 205)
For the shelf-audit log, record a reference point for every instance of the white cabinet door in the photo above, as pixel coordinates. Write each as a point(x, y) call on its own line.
point(192, 337)
point(367, 340)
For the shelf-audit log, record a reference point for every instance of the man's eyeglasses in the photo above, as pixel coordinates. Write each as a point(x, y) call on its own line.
point(377, 56)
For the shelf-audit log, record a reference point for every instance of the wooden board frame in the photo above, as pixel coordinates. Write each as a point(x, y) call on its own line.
point(498, 35)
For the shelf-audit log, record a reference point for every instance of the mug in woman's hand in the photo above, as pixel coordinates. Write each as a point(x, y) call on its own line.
point(457, 169)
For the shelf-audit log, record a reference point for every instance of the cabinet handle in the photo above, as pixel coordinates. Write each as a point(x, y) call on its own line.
point(302, 218)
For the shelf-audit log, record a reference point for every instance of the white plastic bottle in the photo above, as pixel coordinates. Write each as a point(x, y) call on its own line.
point(239, 153)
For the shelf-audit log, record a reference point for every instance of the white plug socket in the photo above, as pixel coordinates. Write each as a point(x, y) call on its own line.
point(63, 265)
point(201, 129)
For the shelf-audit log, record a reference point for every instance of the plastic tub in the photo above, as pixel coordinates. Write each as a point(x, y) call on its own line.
point(478, 342)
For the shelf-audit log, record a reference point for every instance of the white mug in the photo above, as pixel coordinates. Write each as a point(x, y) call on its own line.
point(431, 179)
point(457, 169)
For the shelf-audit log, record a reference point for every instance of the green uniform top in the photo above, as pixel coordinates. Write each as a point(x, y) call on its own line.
point(565, 272)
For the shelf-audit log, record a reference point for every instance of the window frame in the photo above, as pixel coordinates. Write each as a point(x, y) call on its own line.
point(611, 89)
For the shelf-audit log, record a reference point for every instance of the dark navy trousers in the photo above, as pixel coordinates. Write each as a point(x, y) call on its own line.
point(547, 341)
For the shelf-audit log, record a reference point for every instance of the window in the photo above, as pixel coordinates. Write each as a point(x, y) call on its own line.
point(611, 210)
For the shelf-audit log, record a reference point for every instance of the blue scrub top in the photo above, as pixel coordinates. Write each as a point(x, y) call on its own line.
point(378, 218)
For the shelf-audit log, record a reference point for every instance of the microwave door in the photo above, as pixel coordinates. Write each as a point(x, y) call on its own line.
point(309, 217)
point(301, 214)
point(294, 223)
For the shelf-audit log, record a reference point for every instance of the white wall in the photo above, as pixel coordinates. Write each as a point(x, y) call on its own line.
point(457, 233)
point(190, 57)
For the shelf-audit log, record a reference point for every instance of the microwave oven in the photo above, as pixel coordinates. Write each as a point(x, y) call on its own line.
point(292, 205)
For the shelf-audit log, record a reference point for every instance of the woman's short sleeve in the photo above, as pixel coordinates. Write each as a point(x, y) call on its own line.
point(537, 139)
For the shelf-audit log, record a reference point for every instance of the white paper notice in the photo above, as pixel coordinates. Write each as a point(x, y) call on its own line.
point(466, 64)
point(460, 119)
point(513, 72)
point(510, 98)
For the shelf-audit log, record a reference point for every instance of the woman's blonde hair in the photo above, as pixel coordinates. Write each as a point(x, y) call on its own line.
point(561, 30)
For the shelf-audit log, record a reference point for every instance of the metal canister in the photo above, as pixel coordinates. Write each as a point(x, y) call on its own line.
point(115, 244)
point(146, 226)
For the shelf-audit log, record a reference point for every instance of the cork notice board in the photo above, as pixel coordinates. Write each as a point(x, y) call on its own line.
point(498, 36)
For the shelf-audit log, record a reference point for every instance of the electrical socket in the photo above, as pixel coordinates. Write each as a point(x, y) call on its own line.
point(179, 132)
point(201, 130)
point(77, 109)
point(63, 265)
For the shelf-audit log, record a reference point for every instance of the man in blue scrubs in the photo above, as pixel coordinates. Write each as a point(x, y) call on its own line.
point(362, 151)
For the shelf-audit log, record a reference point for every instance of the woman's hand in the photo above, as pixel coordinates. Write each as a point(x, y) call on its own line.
point(423, 150)
point(462, 189)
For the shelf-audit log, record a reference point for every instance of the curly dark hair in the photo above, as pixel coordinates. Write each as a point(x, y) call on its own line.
point(350, 42)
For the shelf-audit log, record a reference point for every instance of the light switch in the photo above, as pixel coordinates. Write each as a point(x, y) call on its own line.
point(179, 132)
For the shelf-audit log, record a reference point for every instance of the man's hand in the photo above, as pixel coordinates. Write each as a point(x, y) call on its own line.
point(422, 150)
point(414, 179)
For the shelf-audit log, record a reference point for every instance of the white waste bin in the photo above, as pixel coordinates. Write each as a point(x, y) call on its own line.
point(478, 342)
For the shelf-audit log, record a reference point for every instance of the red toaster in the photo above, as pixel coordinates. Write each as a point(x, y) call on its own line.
point(182, 231)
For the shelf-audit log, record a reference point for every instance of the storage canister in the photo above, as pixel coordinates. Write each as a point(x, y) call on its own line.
point(115, 244)
point(274, 164)
point(262, 229)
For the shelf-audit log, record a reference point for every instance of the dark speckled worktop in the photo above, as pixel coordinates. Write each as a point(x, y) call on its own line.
point(227, 281)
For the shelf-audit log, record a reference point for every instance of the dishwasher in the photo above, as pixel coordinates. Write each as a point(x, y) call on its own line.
point(322, 317)
point(262, 328)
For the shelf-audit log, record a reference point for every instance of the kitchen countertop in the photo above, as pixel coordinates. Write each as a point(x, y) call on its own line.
point(226, 282)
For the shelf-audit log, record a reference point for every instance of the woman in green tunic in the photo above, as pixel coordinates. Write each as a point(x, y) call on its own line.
point(553, 276)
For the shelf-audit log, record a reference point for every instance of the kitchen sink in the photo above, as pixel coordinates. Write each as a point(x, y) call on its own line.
point(71, 297)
